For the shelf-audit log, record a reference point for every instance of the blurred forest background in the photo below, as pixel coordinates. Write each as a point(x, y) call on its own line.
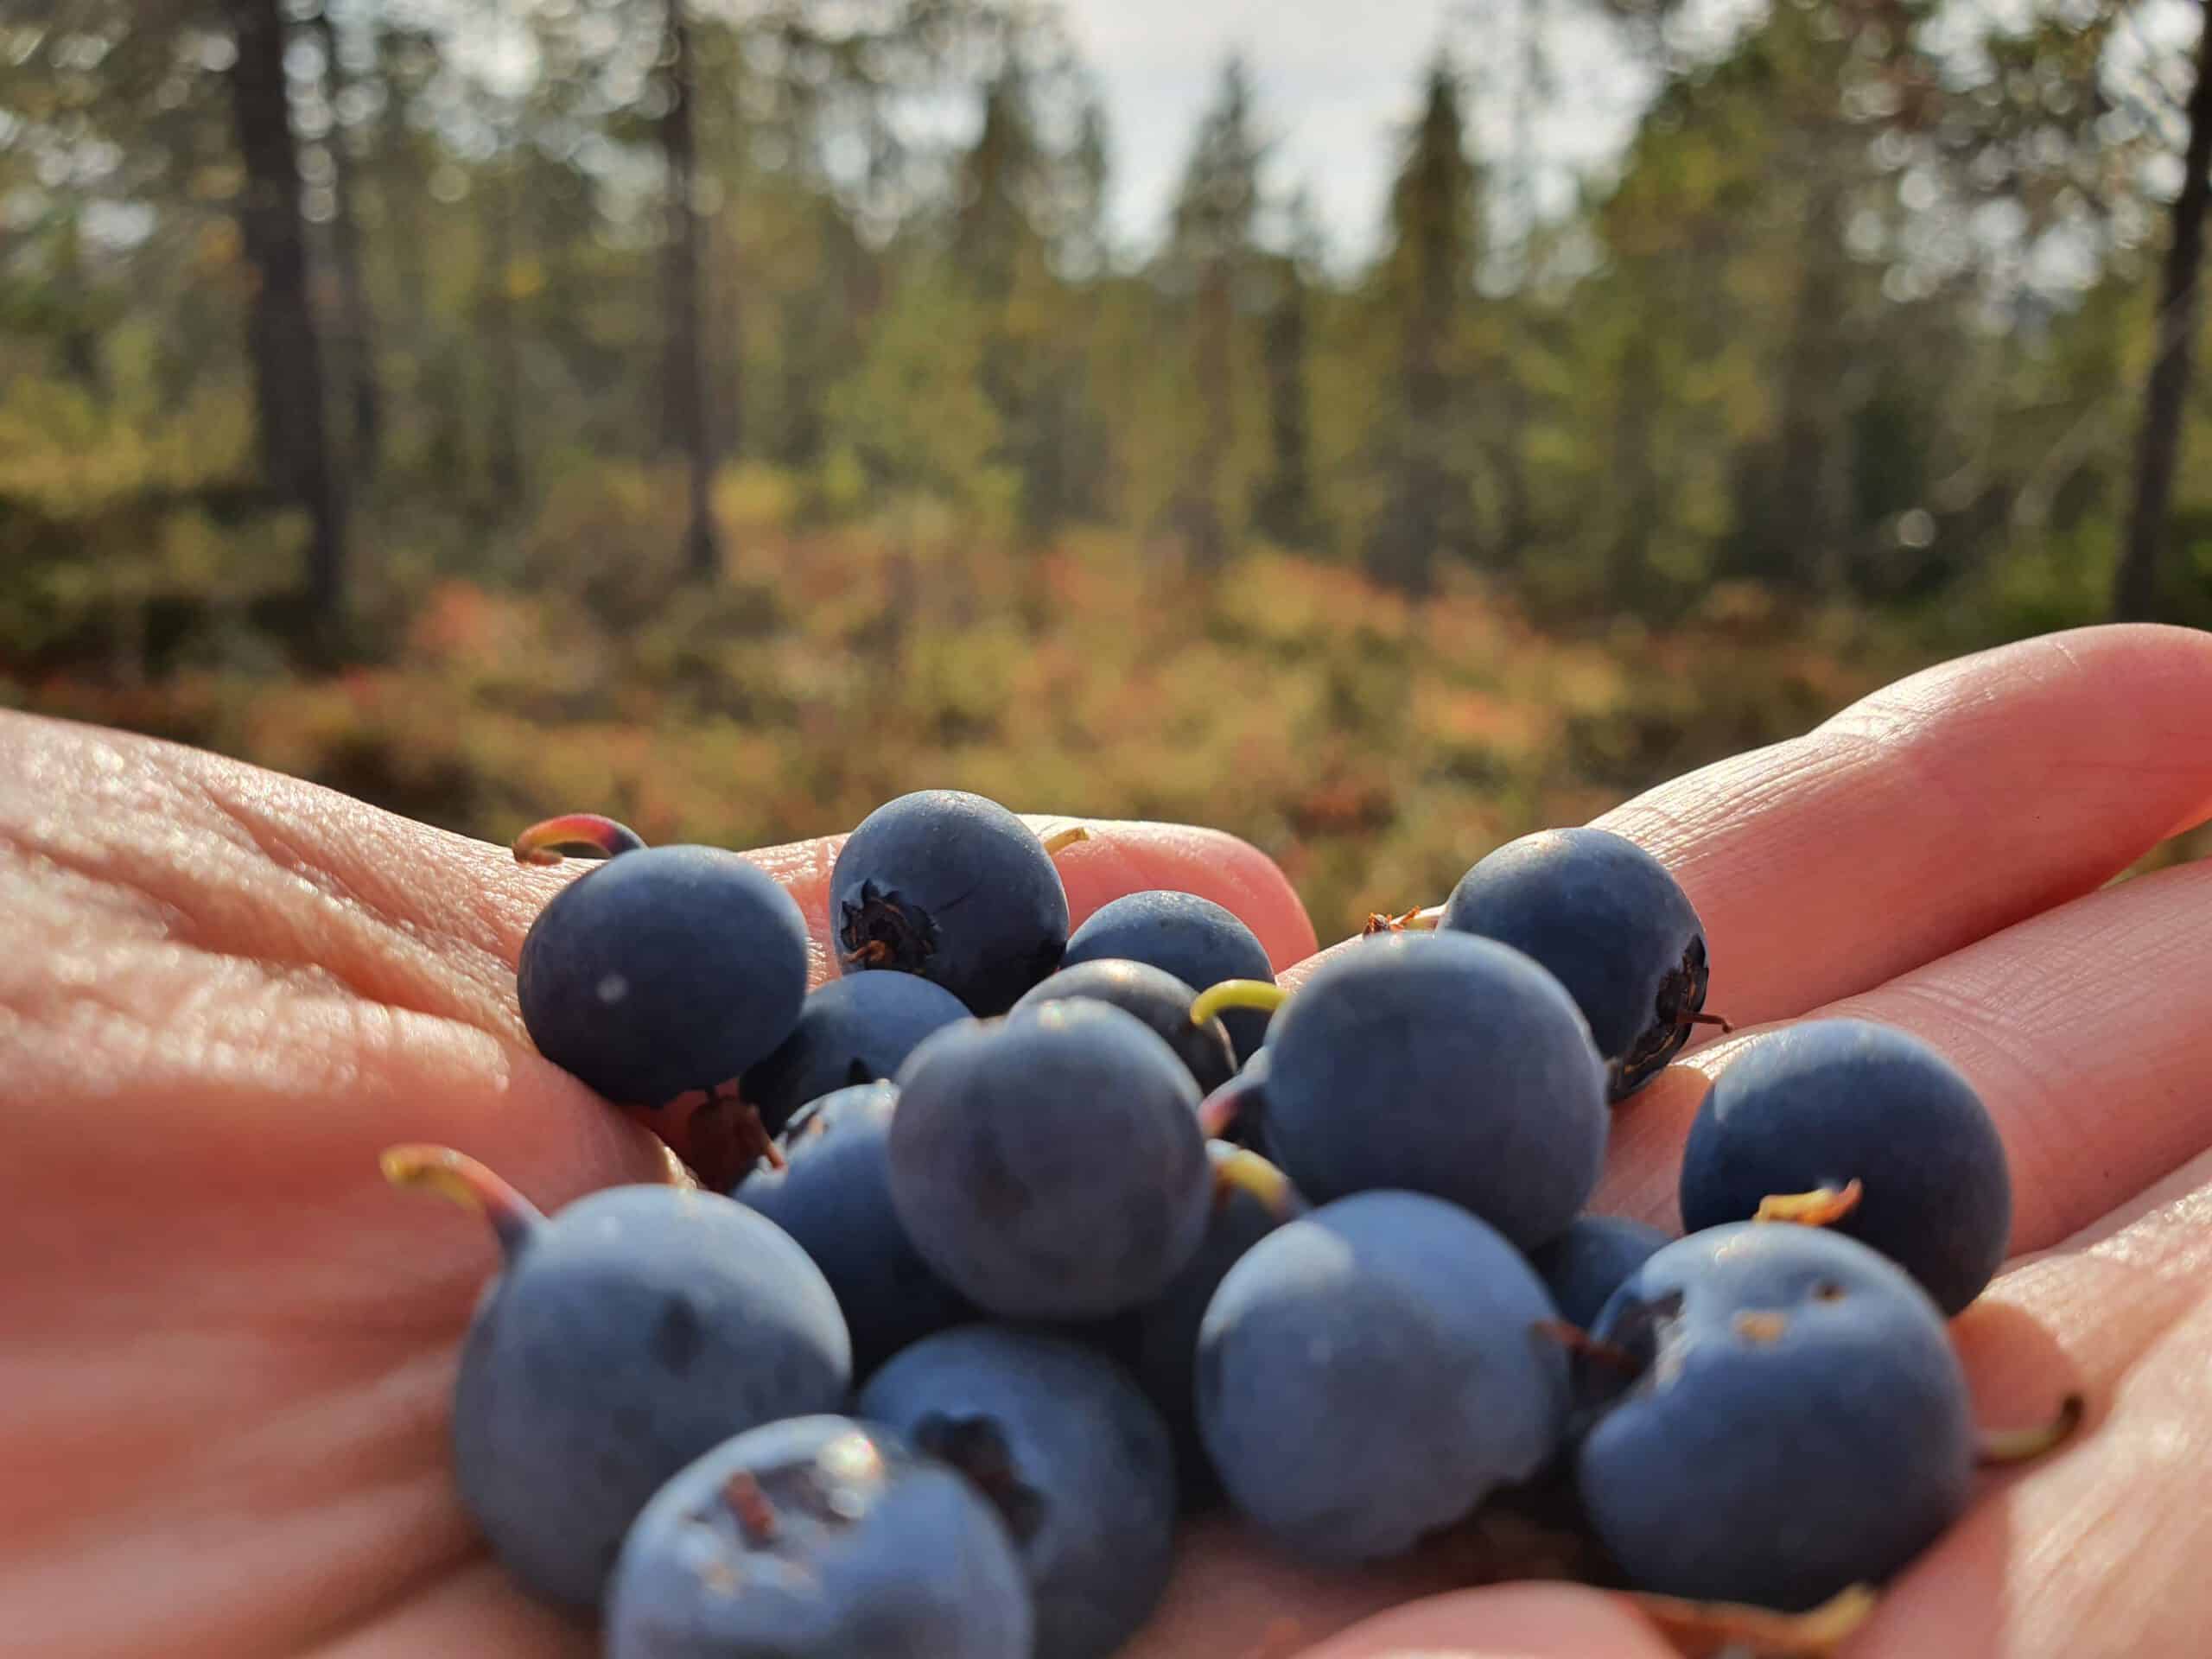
point(730, 413)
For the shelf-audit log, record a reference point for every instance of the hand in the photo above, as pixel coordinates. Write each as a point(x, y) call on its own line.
point(228, 1346)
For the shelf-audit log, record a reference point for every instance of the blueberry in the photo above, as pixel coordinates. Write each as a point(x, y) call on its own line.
point(1614, 927)
point(1831, 1100)
point(1078, 1461)
point(1441, 1064)
point(1801, 1424)
point(952, 887)
point(1585, 1265)
point(1158, 998)
point(663, 970)
point(834, 1197)
point(1160, 1341)
point(1051, 1167)
point(818, 1538)
point(1193, 938)
point(850, 1031)
point(628, 1334)
point(1369, 1373)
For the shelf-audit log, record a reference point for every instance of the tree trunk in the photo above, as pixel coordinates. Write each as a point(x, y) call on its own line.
point(685, 372)
point(287, 358)
point(1633, 480)
point(80, 339)
point(1285, 506)
point(2135, 588)
point(504, 440)
point(353, 344)
point(730, 297)
point(1801, 527)
point(1216, 366)
point(402, 189)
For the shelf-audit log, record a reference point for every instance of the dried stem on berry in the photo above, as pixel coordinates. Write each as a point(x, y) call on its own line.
point(1821, 1207)
point(1999, 1446)
point(749, 1506)
point(1411, 921)
point(1705, 1630)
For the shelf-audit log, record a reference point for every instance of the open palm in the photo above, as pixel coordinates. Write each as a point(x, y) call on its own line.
point(228, 1346)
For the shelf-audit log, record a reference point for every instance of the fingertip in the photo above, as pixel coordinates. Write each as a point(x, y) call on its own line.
point(1122, 856)
point(1508, 1621)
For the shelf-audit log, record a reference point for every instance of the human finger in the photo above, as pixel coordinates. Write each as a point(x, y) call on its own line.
point(2086, 1030)
point(1939, 809)
point(1508, 1621)
point(2093, 1552)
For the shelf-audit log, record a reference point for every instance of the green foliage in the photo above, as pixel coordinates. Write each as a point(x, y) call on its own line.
point(1374, 745)
point(1836, 371)
point(1797, 337)
point(915, 415)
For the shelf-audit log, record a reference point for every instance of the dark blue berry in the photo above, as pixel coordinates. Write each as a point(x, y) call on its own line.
point(952, 887)
point(1800, 1423)
point(628, 1334)
point(1193, 938)
point(664, 970)
point(1158, 998)
point(1613, 926)
point(1828, 1101)
point(818, 1538)
point(1076, 1460)
point(1370, 1372)
point(1051, 1167)
point(850, 1031)
point(834, 1197)
point(1585, 1265)
point(1441, 1064)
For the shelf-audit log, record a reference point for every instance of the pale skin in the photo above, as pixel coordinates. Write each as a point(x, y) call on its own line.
point(227, 1343)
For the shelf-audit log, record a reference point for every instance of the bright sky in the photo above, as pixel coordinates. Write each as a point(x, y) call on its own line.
point(1336, 79)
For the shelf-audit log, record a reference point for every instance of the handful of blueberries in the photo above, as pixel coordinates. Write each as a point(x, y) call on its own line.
point(1050, 1238)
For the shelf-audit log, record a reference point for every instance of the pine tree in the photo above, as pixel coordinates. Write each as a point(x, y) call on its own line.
point(1425, 281)
point(1211, 248)
point(998, 179)
point(353, 336)
point(2135, 593)
point(684, 370)
point(1016, 201)
point(1283, 505)
point(286, 351)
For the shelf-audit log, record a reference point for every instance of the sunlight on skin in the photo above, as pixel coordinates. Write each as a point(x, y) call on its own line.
point(222, 992)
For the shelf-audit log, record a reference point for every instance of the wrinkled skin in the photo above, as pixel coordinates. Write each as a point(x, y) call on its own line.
point(228, 1346)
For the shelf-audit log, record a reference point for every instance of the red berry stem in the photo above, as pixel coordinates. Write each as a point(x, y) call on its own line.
point(586, 834)
point(456, 1176)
